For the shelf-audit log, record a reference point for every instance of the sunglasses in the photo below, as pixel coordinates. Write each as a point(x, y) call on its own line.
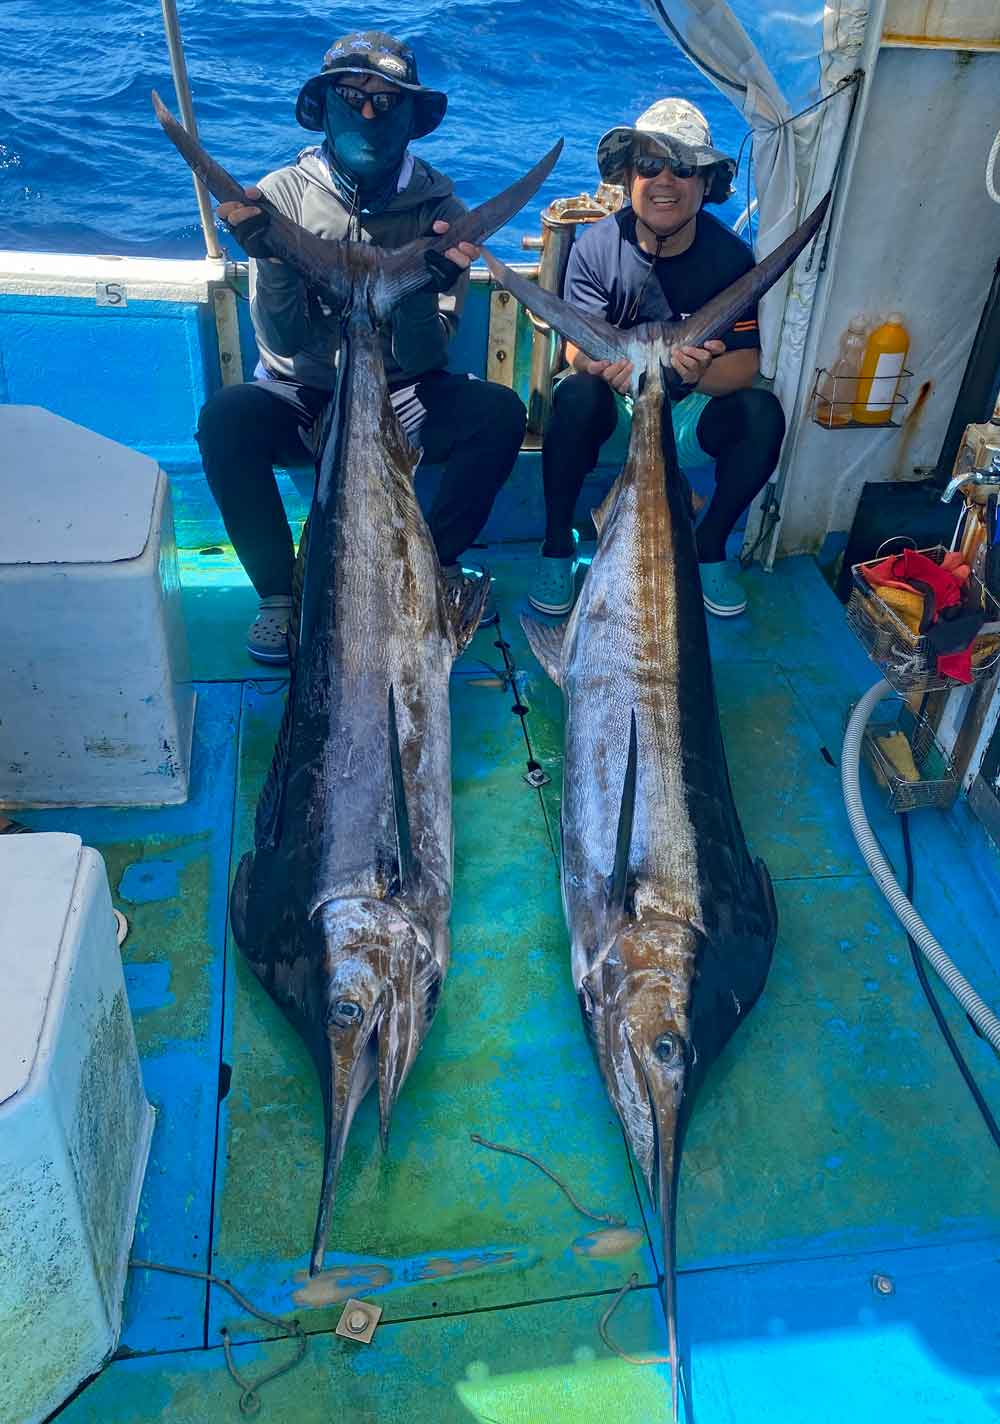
point(649, 166)
point(381, 100)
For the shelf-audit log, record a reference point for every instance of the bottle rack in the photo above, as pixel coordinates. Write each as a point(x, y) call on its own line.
point(824, 412)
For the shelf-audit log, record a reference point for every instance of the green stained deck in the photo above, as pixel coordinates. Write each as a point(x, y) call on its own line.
point(833, 1139)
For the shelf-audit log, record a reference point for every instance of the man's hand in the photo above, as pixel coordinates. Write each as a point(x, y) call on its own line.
point(234, 213)
point(618, 374)
point(692, 362)
point(247, 223)
point(446, 267)
point(464, 254)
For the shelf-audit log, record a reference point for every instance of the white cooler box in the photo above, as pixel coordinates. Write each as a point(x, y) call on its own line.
point(96, 704)
point(74, 1123)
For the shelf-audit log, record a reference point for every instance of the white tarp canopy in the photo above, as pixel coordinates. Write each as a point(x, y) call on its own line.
point(771, 61)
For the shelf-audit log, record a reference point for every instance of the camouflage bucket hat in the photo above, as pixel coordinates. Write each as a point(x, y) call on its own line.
point(680, 131)
point(371, 52)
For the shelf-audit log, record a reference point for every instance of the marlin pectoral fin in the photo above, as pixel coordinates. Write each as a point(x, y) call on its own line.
point(718, 315)
point(546, 642)
point(404, 847)
point(465, 611)
point(626, 817)
point(600, 340)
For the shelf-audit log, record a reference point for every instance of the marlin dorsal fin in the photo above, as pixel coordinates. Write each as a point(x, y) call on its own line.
point(626, 816)
point(404, 848)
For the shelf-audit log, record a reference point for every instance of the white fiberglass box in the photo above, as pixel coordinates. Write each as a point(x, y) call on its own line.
point(96, 703)
point(74, 1123)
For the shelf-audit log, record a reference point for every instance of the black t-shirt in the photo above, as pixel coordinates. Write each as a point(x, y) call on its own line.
point(609, 275)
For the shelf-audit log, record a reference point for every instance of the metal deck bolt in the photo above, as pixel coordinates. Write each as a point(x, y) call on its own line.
point(358, 1321)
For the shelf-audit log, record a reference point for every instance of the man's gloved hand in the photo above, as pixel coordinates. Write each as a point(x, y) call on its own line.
point(250, 231)
point(444, 272)
point(445, 268)
point(247, 224)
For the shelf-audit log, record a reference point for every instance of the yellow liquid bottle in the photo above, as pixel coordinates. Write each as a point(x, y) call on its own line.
point(881, 369)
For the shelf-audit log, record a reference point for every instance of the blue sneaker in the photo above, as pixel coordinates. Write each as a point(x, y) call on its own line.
point(722, 594)
point(554, 588)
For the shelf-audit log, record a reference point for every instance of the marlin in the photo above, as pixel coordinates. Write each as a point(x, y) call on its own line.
point(672, 924)
point(342, 907)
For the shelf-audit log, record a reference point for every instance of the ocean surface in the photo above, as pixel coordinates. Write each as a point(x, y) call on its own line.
point(84, 167)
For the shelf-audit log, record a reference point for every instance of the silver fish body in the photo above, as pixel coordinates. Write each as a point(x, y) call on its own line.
point(672, 924)
point(342, 906)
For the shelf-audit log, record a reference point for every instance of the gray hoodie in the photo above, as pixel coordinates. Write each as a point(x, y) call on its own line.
point(297, 333)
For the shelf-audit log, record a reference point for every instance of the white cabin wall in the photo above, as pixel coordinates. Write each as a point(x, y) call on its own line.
point(920, 236)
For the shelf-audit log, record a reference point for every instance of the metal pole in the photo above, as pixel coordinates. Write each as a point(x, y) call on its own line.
point(178, 69)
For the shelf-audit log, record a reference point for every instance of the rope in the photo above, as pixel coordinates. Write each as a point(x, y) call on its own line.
point(250, 1392)
point(993, 171)
point(602, 1330)
point(516, 1152)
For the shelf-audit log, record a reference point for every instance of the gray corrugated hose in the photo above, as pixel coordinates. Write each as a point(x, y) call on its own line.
point(980, 1014)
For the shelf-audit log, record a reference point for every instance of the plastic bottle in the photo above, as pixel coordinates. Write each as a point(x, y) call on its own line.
point(839, 384)
point(881, 368)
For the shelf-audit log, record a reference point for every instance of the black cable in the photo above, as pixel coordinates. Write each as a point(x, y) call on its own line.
point(942, 1023)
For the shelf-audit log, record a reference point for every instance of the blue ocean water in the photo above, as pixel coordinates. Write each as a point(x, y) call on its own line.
point(84, 166)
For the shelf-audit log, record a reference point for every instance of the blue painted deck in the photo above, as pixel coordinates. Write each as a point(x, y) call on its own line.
point(833, 1141)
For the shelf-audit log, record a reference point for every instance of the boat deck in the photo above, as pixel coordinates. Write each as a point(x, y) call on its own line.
point(834, 1140)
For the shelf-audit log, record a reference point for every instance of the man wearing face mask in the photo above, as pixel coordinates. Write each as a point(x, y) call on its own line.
point(661, 258)
point(361, 183)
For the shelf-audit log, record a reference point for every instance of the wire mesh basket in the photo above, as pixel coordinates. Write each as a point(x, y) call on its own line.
point(907, 660)
point(833, 398)
point(907, 760)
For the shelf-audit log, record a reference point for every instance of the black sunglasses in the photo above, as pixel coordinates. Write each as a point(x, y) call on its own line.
point(649, 166)
point(381, 100)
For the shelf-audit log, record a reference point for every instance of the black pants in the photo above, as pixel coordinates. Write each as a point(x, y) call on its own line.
point(742, 432)
point(473, 428)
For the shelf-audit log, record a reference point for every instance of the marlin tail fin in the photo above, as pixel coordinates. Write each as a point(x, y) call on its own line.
point(603, 342)
point(406, 271)
point(600, 340)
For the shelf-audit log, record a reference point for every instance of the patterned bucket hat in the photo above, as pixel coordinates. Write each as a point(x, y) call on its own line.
point(371, 52)
point(682, 134)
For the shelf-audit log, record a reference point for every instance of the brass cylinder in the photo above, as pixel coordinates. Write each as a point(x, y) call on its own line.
point(559, 223)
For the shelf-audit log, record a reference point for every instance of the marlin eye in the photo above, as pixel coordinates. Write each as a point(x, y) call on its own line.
point(667, 1048)
point(346, 1012)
